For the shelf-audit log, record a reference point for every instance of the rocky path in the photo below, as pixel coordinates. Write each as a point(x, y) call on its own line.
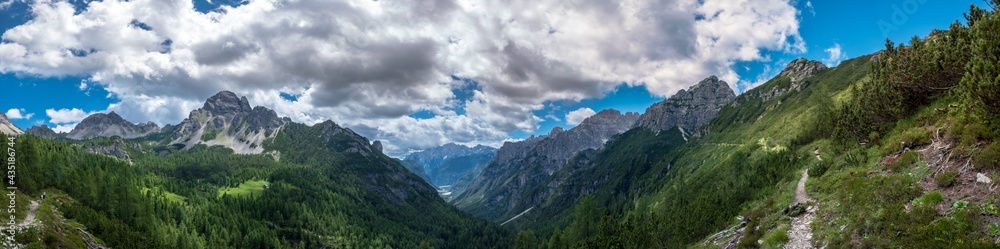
point(29, 218)
point(800, 236)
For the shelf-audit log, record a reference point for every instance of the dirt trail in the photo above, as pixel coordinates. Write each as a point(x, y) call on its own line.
point(28, 219)
point(800, 236)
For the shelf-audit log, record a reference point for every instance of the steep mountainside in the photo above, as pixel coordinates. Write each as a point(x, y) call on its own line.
point(618, 166)
point(415, 168)
point(688, 109)
point(109, 125)
point(522, 165)
point(42, 131)
point(658, 191)
point(6, 127)
point(228, 120)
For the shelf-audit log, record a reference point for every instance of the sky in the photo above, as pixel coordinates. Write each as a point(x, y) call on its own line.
point(419, 74)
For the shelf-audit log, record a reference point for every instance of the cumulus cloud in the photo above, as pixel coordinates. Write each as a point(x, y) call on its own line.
point(574, 118)
point(65, 115)
point(66, 119)
point(369, 64)
point(835, 55)
point(18, 113)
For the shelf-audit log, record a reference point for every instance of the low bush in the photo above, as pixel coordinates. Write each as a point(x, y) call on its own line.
point(818, 168)
point(929, 198)
point(946, 179)
point(987, 158)
point(776, 238)
point(905, 161)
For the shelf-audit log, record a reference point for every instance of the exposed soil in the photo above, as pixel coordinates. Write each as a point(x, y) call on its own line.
point(800, 235)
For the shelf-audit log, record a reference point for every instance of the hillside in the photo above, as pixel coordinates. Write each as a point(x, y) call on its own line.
point(320, 186)
point(895, 150)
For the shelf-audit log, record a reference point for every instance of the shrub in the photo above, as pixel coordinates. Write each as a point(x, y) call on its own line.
point(818, 168)
point(987, 158)
point(914, 137)
point(776, 238)
point(994, 229)
point(981, 84)
point(930, 198)
point(946, 179)
point(905, 161)
point(960, 205)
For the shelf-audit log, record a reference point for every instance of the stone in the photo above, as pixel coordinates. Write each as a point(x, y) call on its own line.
point(982, 178)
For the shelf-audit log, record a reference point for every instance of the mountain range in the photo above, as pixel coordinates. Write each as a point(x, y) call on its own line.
point(896, 149)
point(447, 164)
point(253, 179)
point(522, 167)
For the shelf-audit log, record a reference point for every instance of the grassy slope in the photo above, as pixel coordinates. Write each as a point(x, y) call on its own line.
point(247, 188)
point(729, 171)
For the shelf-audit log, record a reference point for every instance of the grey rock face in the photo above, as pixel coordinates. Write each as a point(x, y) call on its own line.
point(796, 71)
point(801, 68)
point(688, 109)
point(344, 139)
point(377, 145)
point(117, 148)
point(522, 165)
point(228, 120)
point(6, 127)
point(42, 131)
point(109, 125)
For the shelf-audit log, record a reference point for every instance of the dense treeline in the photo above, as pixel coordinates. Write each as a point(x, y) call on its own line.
point(960, 61)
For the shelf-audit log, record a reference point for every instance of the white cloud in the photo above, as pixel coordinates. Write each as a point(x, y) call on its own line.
point(18, 113)
point(83, 85)
point(371, 63)
point(835, 55)
point(65, 119)
point(64, 116)
point(809, 6)
point(574, 118)
point(64, 128)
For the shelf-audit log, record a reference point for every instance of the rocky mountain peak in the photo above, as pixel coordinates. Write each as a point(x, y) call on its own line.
point(801, 68)
point(228, 120)
point(42, 131)
point(226, 102)
point(688, 109)
point(109, 125)
point(6, 127)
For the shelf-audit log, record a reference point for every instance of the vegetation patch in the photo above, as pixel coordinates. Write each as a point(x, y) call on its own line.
point(248, 188)
point(988, 158)
point(946, 179)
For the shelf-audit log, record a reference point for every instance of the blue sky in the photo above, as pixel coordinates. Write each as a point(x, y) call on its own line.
point(855, 27)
